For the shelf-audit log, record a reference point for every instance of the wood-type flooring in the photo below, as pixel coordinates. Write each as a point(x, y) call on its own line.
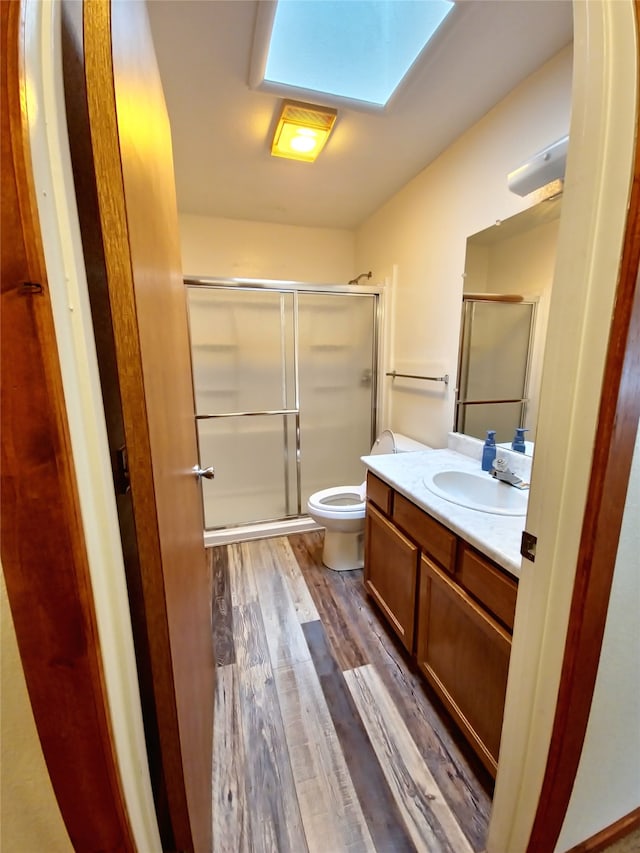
point(326, 737)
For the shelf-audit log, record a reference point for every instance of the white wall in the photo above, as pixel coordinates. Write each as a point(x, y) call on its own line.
point(611, 754)
point(234, 248)
point(423, 230)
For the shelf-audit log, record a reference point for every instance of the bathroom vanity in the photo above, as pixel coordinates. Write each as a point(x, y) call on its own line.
point(445, 578)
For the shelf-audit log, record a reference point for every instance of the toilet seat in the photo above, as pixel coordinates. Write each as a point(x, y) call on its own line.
point(341, 510)
point(339, 502)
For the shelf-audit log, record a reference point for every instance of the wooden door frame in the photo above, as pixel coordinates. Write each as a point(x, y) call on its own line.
point(617, 429)
point(44, 553)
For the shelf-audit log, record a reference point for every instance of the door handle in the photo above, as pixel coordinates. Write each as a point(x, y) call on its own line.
point(207, 473)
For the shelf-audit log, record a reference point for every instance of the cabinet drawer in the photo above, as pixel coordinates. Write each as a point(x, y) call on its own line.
point(432, 537)
point(488, 584)
point(379, 493)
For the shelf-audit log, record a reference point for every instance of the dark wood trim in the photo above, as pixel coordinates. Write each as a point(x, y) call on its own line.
point(617, 428)
point(492, 297)
point(607, 836)
point(44, 555)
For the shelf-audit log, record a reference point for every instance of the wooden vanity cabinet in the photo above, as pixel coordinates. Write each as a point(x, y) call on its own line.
point(487, 583)
point(464, 654)
point(433, 538)
point(391, 573)
point(449, 605)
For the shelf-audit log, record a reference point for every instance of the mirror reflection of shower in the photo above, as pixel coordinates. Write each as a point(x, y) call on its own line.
point(285, 380)
point(501, 347)
point(494, 365)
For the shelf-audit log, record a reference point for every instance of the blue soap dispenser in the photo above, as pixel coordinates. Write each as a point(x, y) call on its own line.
point(518, 440)
point(489, 450)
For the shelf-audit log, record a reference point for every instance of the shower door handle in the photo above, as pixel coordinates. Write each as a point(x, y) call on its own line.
point(207, 473)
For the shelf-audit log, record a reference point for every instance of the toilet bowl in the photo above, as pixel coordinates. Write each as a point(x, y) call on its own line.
point(341, 510)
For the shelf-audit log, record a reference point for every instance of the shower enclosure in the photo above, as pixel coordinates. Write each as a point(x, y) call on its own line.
point(285, 387)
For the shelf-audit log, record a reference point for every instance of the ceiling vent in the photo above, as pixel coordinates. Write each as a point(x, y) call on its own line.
point(544, 167)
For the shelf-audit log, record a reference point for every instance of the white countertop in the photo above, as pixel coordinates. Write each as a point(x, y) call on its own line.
point(497, 536)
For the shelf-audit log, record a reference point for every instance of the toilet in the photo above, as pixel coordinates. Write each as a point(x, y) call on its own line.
point(341, 509)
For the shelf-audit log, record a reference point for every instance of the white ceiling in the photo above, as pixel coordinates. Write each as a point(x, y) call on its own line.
point(221, 128)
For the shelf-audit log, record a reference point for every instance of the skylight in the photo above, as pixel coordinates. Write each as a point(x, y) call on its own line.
point(356, 49)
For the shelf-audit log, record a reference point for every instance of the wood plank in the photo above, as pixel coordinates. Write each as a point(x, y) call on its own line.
point(241, 580)
point(283, 631)
point(327, 589)
point(378, 806)
point(275, 821)
point(230, 815)
point(284, 558)
point(363, 636)
point(249, 638)
point(223, 645)
point(330, 809)
point(429, 819)
point(311, 739)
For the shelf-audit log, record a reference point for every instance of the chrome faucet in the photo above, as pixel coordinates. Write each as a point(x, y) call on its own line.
point(500, 471)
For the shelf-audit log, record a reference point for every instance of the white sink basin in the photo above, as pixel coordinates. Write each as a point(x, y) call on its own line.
point(477, 491)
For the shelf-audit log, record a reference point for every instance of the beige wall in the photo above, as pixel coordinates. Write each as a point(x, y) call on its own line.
point(423, 231)
point(233, 248)
point(30, 819)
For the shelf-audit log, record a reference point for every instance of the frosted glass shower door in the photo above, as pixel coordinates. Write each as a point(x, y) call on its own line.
point(244, 379)
point(337, 387)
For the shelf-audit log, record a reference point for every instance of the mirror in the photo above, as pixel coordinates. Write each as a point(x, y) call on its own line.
point(507, 287)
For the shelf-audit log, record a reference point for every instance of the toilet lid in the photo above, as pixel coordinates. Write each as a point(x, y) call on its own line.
point(384, 443)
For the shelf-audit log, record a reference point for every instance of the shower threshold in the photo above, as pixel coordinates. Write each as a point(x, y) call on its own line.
point(259, 530)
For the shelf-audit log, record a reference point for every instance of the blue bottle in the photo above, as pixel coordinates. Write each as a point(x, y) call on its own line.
point(489, 450)
point(518, 440)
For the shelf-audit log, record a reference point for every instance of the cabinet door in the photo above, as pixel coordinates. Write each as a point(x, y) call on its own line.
point(390, 573)
point(464, 654)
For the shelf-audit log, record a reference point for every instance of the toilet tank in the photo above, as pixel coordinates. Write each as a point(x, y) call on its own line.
point(394, 442)
point(404, 444)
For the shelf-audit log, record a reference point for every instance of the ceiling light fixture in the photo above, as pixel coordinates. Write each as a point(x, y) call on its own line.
point(302, 130)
